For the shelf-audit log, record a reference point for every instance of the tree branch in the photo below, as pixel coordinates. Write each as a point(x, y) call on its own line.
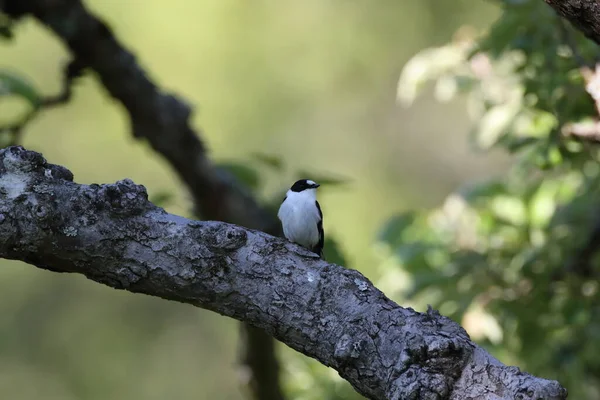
point(160, 118)
point(163, 120)
point(14, 130)
point(583, 14)
point(112, 234)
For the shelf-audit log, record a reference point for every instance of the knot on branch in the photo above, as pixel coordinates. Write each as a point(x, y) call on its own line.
point(21, 169)
point(347, 348)
point(415, 384)
point(422, 370)
point(228, 237)
point(528, 387)
point(17, 160)
point(125, 197)
point(429, 365)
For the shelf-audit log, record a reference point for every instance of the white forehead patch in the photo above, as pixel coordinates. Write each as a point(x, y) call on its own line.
point(310, 182)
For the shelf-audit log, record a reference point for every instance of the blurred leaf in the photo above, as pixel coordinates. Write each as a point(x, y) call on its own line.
point(446, 88)
point(12, 84)
point(6, 25)
point(323, 180)
point(486, 190)
point(514, 144)
point(509, 208)
point(493, 125)
point(425, 279)
point(5, 32)
point(428, 65)
point(6, 138)
point(162, 199)
point(506, 246)
point(269, 160)
point(333, 253)
point(395, 227)
point(245, 174)
point(274, 202)
point(413, 256)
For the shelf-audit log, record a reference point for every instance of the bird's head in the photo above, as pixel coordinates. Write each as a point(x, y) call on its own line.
point(304, 185)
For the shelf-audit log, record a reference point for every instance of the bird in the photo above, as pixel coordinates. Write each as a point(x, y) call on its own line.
point(301, 216)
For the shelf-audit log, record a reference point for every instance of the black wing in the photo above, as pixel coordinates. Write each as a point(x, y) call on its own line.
point(318, 248)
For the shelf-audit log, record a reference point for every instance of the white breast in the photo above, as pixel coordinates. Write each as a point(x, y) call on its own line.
point(299, 216)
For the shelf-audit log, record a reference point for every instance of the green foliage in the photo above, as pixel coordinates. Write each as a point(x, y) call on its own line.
point(510, 258)
point(322, 179)
point(162, 198)
point(243, 173)
point(269, 160)
point(6, 26)
point(261, 73)
point(253, 172)
point(15, 86)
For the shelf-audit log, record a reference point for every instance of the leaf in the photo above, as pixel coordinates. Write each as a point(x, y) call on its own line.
point(515, 143)
point(162, 199)
point(395, 227)
point(473, 193)
point(510, 209)
point(493, 126)
point(413, 256)
point(11, 84)
point(269, 160)
point(274, 201)
point(6, 25)
point(322, 179)
point(428, 65)
point(5, 32)
point(333, 253)
point(242, 172)
point(425, 279)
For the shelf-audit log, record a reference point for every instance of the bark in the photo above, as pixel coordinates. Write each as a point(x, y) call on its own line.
point(163, 120)
point(113, 235)
point(583, 14)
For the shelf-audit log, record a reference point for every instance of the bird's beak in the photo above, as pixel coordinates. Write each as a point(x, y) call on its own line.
point(317, 185)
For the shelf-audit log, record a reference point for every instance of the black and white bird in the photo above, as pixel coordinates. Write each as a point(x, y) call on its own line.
point(301, 216)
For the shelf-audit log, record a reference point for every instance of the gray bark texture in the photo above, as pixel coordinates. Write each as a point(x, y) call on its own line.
point(583, 14)
point(113, 235)
point(162, 119)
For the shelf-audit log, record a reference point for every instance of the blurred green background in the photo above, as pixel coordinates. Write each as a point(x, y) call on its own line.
point(313, 82)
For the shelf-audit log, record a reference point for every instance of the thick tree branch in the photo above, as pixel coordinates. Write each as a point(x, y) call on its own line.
point(583, 14)
point(113, 235)
point(163, 120)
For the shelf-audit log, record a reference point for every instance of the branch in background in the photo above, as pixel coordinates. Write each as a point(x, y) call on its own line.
point(583, 131)
point(163, 120)
point(112, 234)
point(14, 131)
point(583, 14)
point(160, 118)
point(257, 353)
